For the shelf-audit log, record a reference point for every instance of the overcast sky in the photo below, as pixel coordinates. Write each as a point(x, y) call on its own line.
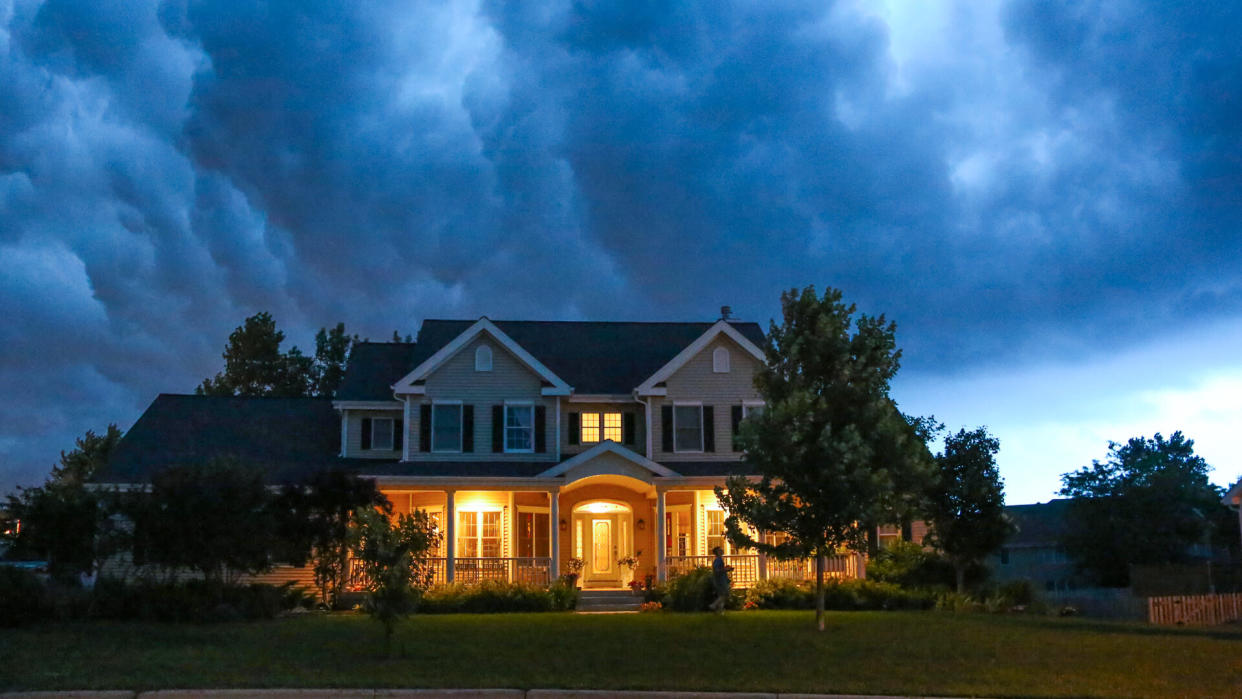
point(1045, 198)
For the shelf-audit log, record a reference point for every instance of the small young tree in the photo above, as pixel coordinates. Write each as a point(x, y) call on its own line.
point(833, 451)
point(314, 520)
point(965, 505)
point(395, 563)
point(214, 518)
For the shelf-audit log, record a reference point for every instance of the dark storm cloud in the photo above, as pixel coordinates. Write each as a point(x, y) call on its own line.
point(167, 169)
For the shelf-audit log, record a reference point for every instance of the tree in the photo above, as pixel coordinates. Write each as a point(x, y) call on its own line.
point(1148, 503)
point(395, 563)
point(61, 521)
point(215, 518)
point(91, 451)
point(255, 366)
point(966, 502)
point(331, 352)
point(833, 451)
point(314, 523)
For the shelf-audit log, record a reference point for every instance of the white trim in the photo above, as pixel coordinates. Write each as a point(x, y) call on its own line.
point(600, 398)
point(461, 430)
point(504, 426)
point(366, 404)
point(344, 432)
point(648, 387)
point(702, 428)
point(613, 448)
point(406, 383)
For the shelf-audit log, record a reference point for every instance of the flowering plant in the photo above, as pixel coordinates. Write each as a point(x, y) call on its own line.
point(574, 566)
point(650, 607)
point(630, 562)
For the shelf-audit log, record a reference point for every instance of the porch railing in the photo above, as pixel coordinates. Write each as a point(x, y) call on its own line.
point(535, 570)
point(749, 568)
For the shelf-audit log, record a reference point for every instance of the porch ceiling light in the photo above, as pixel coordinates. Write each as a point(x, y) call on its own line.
point(600, 508)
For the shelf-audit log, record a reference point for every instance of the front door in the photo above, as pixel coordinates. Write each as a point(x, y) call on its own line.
point(600, 550)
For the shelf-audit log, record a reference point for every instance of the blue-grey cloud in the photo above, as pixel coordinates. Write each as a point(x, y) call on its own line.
point(1009, 183)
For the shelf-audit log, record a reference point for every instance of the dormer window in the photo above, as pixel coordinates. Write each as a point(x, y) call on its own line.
point(720, 360)
point(483, 358)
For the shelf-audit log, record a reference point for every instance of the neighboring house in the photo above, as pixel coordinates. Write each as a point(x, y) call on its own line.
point(1034, 551)
point(530, 443)
point(1233, 500)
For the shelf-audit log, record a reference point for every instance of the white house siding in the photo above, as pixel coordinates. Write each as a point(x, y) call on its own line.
point(353, 435)
point(456, 380)
point(696, 382)
point(640, 427)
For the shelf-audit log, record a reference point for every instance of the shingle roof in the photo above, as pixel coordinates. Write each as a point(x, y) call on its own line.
point(287, 437)
point(594, 357)
point(374, 367)
point(1040, 524)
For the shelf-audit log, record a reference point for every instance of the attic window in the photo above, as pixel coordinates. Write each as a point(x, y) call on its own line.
point(483, 358)
point(720, 360)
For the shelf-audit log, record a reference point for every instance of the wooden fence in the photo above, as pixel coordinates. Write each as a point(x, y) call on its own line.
point(1195, 609)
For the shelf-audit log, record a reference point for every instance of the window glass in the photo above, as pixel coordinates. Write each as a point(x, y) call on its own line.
point(716, 531)
point(519, 427)
point(612, 426)
point(590, 428)
point(532, 534)
point(720, 360)
point(483, 358)
point(468, 535)
point(489, 539)
point(751, 410)
point(381, 433)
point(446, 427)
point(688, 427)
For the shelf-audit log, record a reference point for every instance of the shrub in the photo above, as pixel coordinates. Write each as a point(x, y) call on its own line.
point(650, 607)
point(23, 599)
point(196, 601)
point(845, 595)
point(497, 596)
point(779, 594)
point(691, 591)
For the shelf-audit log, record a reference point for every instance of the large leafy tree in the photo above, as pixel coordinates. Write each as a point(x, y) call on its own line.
point(254, 364)
point(965, 505)
point(1147, 503)
point(62, 521)
point(314, 523)
point(833, 451)
point(215, 518)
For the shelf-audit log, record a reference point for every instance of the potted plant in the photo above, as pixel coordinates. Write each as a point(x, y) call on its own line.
point(573, 569)
point(630, 563)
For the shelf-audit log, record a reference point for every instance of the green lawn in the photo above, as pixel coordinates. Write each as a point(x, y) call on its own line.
point(861, 652)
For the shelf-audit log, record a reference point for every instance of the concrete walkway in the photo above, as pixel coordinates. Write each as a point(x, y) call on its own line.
point(420, 694)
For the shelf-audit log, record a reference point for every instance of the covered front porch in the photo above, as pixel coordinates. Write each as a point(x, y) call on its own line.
point(609, 516)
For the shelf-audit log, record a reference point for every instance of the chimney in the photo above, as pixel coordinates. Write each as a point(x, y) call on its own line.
point(726, 313)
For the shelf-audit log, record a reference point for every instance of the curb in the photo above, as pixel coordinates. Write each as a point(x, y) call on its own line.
point(423, 694)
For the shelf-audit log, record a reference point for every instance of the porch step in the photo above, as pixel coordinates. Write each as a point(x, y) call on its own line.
point(608, 601)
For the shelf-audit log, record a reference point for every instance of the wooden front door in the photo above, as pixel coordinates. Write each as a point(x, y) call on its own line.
point(600, 550)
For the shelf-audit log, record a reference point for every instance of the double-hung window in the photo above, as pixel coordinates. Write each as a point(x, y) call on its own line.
point(688, 427)
point(519, 428)
point(478, 534)
point(596, 427)
point(446, 427)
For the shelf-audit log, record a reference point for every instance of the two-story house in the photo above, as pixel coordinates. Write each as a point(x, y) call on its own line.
point(531, 443)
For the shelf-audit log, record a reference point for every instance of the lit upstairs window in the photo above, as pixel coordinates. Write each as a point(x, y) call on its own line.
point(612, 427)
point(590, 428)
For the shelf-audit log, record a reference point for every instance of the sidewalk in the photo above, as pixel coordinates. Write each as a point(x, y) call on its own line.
point(420, 694)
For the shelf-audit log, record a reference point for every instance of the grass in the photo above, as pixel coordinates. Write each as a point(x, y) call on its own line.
point(916, 653)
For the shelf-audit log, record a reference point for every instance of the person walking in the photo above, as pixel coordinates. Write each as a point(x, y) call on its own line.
point(720, 581)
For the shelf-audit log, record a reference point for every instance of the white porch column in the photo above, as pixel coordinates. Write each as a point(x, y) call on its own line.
point(450, 534)
point(554, 538)
point(661, 538)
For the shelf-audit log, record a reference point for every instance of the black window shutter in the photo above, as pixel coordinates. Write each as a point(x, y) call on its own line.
point(398, 434)
point(467, 428)
point(498, 428)
point(627, 428)
point(366, 433)
point(575, 428)
point(541, 429)
point(709, 429)
point(666, 426)
point(737, 423)
point(424, 427)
